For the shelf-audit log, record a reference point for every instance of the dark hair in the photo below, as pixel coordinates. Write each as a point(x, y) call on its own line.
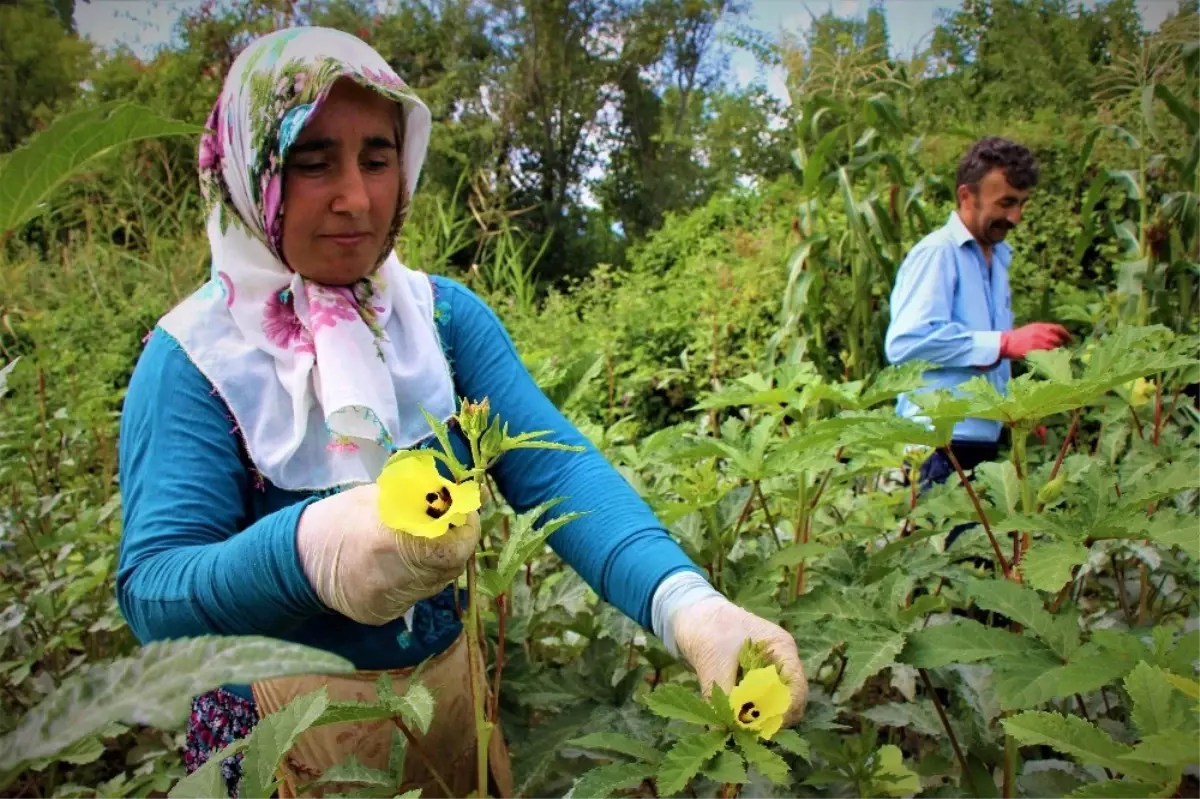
point(1020, 167)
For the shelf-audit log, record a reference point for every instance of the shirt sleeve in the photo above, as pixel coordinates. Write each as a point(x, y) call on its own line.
point(189, 562)
point(922, 326)
point(619, 548)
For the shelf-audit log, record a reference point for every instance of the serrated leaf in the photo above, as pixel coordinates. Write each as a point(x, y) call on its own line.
point(866, 657)
point(1075, 737)
point(676, 702)
point(922, 605)
point(726, 768)
point(794, 554)
point(962, 641)
point(416, 706)
point(1052, 364)
point(525, 540)
point(1157, 706)
point(273, 736)
point(769, 764)
point(890, 776)
point(790, 741)
point(1024, 606)
point(919, 718)
point(606, 780)
point(352, 770)
point(31, 173)
point(722, 707)
point(1047, 565)
point(1031, 683)
point(343, 712)
point(1190, 688)
point(615, 742)
point(1176, 748)
point(155, 688)
point(1174, 530)
point(208, 780)
point(686, 758)
point(1118, 789)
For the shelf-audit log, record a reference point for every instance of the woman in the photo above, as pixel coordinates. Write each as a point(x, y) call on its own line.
point(265, 405)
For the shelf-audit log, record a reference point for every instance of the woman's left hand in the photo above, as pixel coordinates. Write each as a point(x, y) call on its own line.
point(710, 635)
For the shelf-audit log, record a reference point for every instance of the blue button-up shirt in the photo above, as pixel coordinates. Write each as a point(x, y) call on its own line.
point(948, 307)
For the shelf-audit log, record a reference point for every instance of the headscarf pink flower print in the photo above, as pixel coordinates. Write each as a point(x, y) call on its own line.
point(328, 305)
point(283, 327)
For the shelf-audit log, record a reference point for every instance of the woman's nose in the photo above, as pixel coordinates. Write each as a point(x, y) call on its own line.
point(352, 197)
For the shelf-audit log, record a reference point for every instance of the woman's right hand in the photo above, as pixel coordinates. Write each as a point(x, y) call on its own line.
point(366, 571)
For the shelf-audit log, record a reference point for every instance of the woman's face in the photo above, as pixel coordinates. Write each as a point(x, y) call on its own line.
point(341, 186)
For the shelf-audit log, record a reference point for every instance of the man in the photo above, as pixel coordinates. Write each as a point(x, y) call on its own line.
point(951, 304)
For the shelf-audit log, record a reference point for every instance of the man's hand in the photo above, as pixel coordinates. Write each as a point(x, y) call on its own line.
point(710, 634)
point(1037, 336)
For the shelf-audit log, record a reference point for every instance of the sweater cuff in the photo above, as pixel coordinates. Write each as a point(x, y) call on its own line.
point(985, 347)
point(680, 590)
point(286, 573)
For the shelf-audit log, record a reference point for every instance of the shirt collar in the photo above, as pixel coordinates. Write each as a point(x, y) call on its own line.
point(962, 236)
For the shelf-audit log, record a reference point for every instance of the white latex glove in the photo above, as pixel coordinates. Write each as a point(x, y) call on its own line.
point(709, 635)
point(362, 569)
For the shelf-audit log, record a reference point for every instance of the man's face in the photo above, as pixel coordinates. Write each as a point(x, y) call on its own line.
point(994, 209)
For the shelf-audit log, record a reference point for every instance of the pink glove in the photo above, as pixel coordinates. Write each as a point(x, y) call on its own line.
point(1036, 336)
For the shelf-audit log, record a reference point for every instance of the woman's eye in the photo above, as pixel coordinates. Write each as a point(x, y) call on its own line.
point(309, 169)
point(377, 165)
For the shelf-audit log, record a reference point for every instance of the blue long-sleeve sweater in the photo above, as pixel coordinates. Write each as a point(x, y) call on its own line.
point(209, 548)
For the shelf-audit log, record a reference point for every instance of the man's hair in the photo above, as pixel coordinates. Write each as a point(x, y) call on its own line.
point(1020, 167)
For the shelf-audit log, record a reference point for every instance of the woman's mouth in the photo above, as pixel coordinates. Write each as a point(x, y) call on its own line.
point(347, 239)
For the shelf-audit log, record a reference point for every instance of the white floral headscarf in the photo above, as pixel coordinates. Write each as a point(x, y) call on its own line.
point(324, 382)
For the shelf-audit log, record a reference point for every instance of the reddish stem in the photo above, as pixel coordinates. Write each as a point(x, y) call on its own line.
point(987, 528)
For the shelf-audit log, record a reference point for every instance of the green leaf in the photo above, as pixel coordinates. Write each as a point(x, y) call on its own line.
point(920, 718)
point(890, 776)
point(719, 702)
point(1028, 682)
point(1174, 530)
point(1052, 364)
point(962, 641)
point(865, 657)
point(271, 739)
point(615, 742)
point(771, 765)
point(155, 688)
point(1047, 565)
point(416, 706)
point(922, 605)
point(790, 741)
point(343, 712)
point(676, 702)
point(794, 554)
point(1183, 112)
point(607, 780)
point(686, 759)
point(1024, 606)
point(1120, 789)
point(1176, 748)
point(726, 768)
point(1073, 736)
point(525, 541)
point(208, 780)
point(352, 770)
point(1157, 706)
point(31, 173)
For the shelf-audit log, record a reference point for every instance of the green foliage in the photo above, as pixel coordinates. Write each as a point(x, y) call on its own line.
point(725, 355)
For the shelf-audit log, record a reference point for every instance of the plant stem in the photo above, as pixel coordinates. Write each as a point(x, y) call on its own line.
point(1143, 597)
point(1010, 760)
point(987, 528)
point(416, 747)
point(937, 704)
point(483, 729)
point(1137, 423)
point(1021, 458)
point(803, 508)
point(1158, 406)
point(767, 511)
point(1119, 574)
point(502, 611)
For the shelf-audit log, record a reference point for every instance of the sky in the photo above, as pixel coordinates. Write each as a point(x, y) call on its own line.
point(146, 25)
